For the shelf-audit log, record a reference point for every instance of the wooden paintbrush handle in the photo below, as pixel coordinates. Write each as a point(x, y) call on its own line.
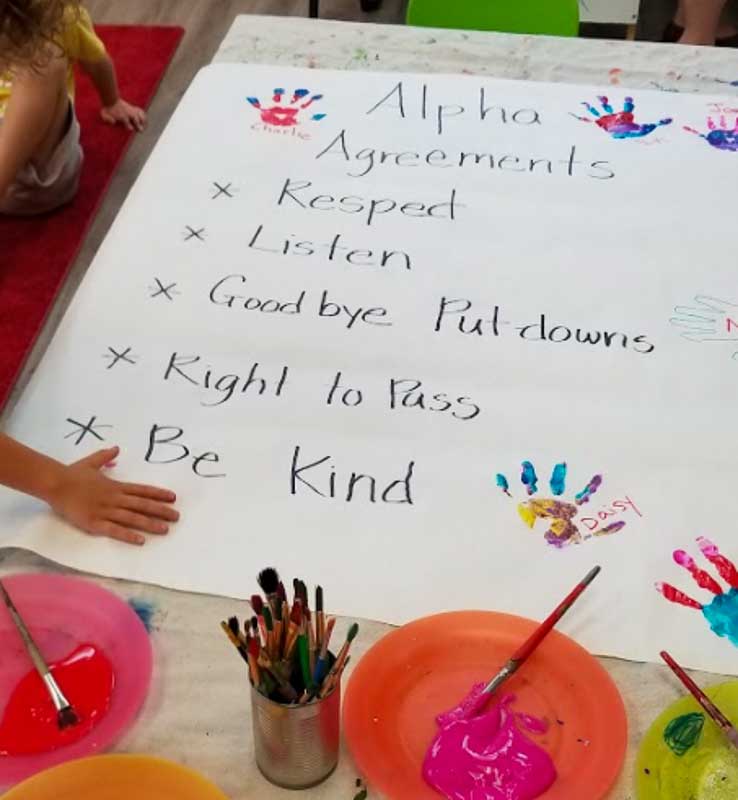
point(33, 652)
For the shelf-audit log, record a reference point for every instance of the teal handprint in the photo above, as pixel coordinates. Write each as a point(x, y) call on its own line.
point(708, 320)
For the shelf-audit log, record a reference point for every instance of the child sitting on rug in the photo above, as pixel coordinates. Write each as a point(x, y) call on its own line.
point(40, 154)
point(85, 497)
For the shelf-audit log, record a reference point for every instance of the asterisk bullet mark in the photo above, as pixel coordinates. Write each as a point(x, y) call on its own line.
point(194, 233)
point(115, 356)
point(222, 190)
point(83, 428)
point(168, 291)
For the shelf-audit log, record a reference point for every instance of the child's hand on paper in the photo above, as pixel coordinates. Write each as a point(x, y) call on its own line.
point(101, 506)
point(123, 113)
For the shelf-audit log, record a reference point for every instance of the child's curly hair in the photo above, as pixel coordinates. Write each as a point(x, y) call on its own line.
point(30, 31)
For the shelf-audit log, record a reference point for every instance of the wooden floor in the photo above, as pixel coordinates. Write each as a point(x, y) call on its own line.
point(206, 23)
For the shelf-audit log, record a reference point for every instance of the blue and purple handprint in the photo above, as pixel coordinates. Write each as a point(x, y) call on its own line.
point(719, 135)
point(619, 124)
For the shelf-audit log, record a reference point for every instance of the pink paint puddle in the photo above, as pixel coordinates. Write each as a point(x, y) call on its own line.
point(487, 757)
point(29, 726)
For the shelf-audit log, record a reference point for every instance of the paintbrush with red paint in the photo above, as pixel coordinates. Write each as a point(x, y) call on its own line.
point(257, 604)
point(519, 657)
point(282, 598)
point(254, 650)
point(66, 716)
point(714, 712)
point(293, 630)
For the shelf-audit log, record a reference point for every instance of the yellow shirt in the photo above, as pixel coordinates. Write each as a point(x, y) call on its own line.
point(79, 42)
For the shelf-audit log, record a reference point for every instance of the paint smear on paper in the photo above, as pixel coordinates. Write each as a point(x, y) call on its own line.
point(29, 724)
point(528, 477)
point(558, 479)
point(722, 615)
point(501, 481)
point(589, 490)
point(145, 611)
point(683, 733)
point(722, 612)
point(561, 529)
point(487, 756)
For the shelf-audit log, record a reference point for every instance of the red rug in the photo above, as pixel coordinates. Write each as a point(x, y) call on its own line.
point(36, 253)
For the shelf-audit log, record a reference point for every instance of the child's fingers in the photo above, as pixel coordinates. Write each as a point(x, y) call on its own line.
point(139, 522)
point(113, 531)
point(151, 508)
point(101, 458)
point(152, 492)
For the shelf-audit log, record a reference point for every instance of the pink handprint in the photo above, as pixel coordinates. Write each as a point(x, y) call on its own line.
point(284, 116)
point(720, 136)
point(620, 124)
point(721, 612)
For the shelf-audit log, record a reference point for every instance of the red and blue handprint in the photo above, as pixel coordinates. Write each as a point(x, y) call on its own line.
point(619, 124)
point(287, 115)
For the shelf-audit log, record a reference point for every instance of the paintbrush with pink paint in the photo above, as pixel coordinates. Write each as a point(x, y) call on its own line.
point(520, 656)
point(714, 712)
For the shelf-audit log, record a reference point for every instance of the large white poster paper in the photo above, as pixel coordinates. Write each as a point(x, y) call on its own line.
point(338, 312)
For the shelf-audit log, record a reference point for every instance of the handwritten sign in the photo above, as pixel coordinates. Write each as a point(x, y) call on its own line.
point(429, 340)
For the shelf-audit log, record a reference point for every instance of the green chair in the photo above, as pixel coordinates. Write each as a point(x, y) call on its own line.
point(551, 17)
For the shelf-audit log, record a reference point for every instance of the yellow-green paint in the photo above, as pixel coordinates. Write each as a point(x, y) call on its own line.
point(706, 771)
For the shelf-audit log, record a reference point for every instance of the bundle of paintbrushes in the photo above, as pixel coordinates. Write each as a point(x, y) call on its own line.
point(287, 645)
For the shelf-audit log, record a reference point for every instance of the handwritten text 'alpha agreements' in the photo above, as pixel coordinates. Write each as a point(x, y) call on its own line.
point(361, 160)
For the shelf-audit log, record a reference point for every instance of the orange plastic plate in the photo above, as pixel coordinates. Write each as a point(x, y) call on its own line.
point(116, 777)
point(426, 667)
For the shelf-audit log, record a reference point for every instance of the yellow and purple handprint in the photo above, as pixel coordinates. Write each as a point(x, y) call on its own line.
point(562, 529)
point(719, 135)
point(721, 612)
point(619, 124)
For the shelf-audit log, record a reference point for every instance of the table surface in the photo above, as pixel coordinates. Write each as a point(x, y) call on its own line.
point(198, 710)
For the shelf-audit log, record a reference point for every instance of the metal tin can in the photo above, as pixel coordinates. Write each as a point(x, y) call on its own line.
point(296, 746)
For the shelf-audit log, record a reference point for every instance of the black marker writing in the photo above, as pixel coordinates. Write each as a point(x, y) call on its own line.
point(86, 428)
